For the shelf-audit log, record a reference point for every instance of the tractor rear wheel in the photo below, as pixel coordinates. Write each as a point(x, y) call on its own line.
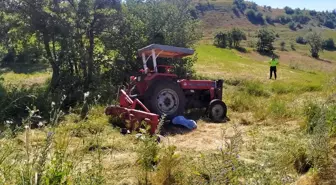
point(217, 110)
point(165, 97)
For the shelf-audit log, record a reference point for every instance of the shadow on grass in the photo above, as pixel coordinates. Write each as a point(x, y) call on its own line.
point(241, 49)
point(324, 60)
point(23, 68)
point(268, 54)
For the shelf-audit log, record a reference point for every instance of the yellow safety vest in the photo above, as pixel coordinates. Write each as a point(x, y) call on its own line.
point(274, 63)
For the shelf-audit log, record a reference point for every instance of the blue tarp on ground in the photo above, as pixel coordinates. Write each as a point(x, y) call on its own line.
point(180, 120)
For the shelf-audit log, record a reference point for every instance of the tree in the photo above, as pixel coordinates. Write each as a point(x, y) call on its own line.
point(269, 20)
point(68, 32)
point(292, 26)
point(329, 24)
point(303, 19)
point(293, 46)
point(329, 44)
point(269, 8)
point(221, 40)
point(255, 17)
point(312, 12)
point(283, 45)
point(240, 4)
point(289, 10)
point(265, 41)
point(237, 36)
point(315, 42)
point(301, 40)
point(298, 11)
point(254, 6)
point(283, 19)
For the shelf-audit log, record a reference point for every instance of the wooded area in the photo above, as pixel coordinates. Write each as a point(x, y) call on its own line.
point(90, 45)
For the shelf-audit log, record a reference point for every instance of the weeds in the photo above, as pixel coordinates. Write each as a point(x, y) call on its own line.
point(224, 166)
point(242, 102)
point(255, 89)
point(278, 109)
point(320, 115)
point(148, 152)
point(280, 88)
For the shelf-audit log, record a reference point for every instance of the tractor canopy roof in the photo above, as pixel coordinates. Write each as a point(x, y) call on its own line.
point(165, 51)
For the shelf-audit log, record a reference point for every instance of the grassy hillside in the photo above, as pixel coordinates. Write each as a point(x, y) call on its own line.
point(219, 16)
point(268, 115)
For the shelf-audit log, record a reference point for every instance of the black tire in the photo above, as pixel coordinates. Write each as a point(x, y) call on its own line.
point(217, 110)
point(165, 97)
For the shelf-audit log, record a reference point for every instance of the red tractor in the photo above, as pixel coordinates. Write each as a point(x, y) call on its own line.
point(152, 94)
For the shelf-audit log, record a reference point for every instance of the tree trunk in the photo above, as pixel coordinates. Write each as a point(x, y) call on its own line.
point(55, 67)
point(90, 59)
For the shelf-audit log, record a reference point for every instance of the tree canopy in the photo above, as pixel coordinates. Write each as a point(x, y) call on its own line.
point(91, 44)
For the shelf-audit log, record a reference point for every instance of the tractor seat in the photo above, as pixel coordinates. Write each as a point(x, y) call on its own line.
point(164, 68)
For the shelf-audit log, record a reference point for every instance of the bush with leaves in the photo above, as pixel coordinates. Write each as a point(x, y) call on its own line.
point(265, 41)
point(315, 42)
point(230, 38)
point(293, 46)
point(253, 6)
point(313, 12)
point(283, 19)
point(269, 19)
point(329, 44)
point(283, 45)
point(237, 35)
point(329, 24)
point(240, 4)
point(221, 40)
point(301, 40)
point(255, 17)
point(302, 19)
point(289, 10)
point(292, 26)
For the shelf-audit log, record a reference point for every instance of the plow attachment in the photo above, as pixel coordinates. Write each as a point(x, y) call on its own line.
point(129, 114)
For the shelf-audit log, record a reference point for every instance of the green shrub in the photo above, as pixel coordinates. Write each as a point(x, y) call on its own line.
point(279, 109)
point(292, 26)
point(283, 46)
point(254, 88)
point(313, 113)
point(169, 169)
point(222, 40)
point(301, 40)
point(283, 19)
point(240, 4)
point(302, 19)
point(293, 46)
point(329, 24)
point(242, 102)
point(281, 88)
point(148, 156)
point(331, 119)
point(289, 10)
point(255, 17)
point(265, 41)
point(320, 115)
point(269, 19)
point(233, 81)
point(329, 44)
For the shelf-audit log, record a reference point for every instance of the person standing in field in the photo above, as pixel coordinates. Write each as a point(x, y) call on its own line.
point(273, 66)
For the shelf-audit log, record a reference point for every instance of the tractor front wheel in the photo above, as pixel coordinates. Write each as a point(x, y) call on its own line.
point(217, 110)
point(165, 97)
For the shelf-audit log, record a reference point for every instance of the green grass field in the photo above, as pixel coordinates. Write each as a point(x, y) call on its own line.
point(267, 113)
